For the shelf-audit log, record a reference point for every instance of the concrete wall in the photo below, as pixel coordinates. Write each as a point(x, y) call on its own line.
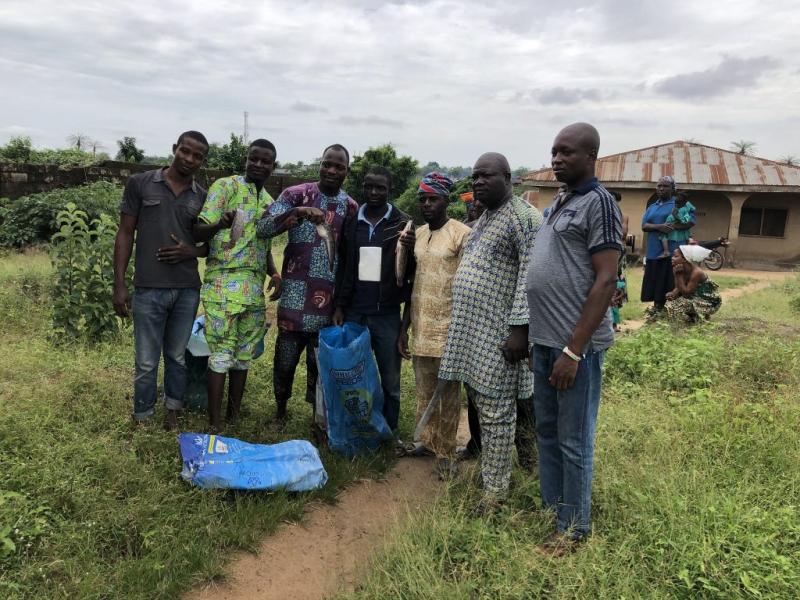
point(718, 213)
point(773, 249)
point(22, 180)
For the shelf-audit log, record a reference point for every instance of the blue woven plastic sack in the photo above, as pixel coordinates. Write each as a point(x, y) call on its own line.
point(213, 461)
point(352, 390)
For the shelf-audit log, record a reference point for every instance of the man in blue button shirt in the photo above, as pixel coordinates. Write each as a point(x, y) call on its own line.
point(366, 285)
point(658, 279)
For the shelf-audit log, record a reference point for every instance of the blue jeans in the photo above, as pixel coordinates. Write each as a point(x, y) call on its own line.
point(162, 321)
point(383, 331)
point(565, 427)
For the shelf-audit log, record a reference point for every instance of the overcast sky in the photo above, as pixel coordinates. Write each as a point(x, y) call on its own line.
point(442, 80)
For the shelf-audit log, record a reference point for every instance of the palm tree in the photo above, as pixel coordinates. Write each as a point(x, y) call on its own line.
point(790, 160)
point(128, 151)
point(743, 147)
point(79, 140)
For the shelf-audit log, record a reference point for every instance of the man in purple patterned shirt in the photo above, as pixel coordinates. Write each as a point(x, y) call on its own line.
point(306, 305)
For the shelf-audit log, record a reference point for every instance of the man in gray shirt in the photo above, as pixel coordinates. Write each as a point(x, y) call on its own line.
point(572, 275)
point(159, 208)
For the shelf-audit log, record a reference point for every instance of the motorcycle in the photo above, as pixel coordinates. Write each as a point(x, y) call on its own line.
point(716, 259)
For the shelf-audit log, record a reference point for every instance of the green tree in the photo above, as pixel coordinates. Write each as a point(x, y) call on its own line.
point(402, 168)
point(301, 169)
point(408, 202)
point(230, 156)
point(128, 151)
point(520, 171)
point(18, 149)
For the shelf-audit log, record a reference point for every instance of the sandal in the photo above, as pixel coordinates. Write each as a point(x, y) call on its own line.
point(412, 449)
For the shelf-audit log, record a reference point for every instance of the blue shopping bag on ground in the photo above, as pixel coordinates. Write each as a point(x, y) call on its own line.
point(352, 390)
point(213, 461)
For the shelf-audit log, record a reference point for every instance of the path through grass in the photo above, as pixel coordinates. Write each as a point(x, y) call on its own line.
point(91, 507)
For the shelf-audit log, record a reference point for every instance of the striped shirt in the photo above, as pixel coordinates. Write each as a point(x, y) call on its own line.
point(580, 223)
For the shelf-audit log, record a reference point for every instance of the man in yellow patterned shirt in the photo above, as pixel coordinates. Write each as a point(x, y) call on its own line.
point(437, 251)
point(233, 285)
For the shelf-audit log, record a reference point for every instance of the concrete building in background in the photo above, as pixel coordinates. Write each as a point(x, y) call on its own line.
point(753, 201)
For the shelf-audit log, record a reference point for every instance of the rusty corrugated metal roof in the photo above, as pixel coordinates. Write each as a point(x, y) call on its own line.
point(688, 163)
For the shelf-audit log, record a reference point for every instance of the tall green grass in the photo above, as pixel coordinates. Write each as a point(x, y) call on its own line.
point(696, 489)
point(92, 507)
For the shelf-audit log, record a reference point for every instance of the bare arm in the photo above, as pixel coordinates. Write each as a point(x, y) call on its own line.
point(594, 310)
point(275, 282)
point(402, 338)
point(203, 231)
point(663, 228)
point(687, 286)
point(123, 245)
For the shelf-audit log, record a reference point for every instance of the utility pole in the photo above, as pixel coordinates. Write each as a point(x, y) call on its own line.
point(246, 134)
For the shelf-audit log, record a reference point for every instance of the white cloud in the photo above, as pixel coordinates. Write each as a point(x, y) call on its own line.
point(445, 80)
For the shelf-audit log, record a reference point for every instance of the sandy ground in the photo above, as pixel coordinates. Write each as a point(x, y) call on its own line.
point(331, 548)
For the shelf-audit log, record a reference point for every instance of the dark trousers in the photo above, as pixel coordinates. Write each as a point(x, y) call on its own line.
point(524, 436)
point(288, 348)
point(383, 331)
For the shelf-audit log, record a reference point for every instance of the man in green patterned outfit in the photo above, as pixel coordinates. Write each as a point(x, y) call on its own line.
point(487, 339)
point(233, 286)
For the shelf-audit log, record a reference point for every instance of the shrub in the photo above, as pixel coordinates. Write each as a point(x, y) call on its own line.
point(83, 261)
point(679, 360)
point(33, 219)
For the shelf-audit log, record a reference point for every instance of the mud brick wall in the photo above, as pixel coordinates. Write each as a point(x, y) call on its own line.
point(18, 180)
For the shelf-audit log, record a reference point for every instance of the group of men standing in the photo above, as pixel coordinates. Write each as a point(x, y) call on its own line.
point(515, 308)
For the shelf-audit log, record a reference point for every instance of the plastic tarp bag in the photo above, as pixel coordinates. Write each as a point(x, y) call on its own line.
point(197, 352)
point(352, 390)
point(213, 461)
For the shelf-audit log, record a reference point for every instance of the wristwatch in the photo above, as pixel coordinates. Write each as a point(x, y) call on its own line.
point(572, 355)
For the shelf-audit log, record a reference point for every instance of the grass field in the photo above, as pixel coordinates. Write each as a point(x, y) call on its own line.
point(91, 507)
point(696, 489)
point(696, 492)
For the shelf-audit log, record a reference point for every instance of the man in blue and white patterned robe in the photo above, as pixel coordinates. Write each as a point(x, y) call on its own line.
point(487, 340)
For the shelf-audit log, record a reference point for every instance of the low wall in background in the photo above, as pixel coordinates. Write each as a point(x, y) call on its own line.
point(18, 180)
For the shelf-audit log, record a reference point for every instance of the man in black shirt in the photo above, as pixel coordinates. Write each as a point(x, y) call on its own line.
point(367, 290)
point(159, 208)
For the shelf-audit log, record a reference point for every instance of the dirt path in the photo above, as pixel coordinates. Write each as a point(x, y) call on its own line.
point(330, 549)
point(765, 279)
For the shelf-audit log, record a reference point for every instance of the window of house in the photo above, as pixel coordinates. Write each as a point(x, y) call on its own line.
point(767, 222)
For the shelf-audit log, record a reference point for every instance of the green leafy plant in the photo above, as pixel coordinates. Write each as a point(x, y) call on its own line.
point(83, 260)
point(32, 219)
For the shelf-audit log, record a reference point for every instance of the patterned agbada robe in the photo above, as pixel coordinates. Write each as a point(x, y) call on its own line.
point(488, 298)
point(306, 304)
point(437, 255)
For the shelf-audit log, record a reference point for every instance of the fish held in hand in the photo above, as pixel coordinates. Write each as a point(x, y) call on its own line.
point(237, 227)
point(324, 231)
point(401, 256)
